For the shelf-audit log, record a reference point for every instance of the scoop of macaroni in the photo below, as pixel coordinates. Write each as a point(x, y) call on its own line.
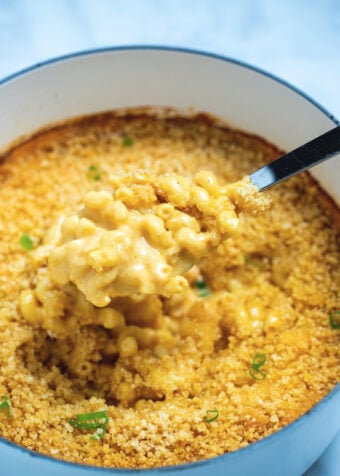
point(143, 234)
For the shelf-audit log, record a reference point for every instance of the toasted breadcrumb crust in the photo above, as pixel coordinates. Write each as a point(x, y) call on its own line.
point(273, 288)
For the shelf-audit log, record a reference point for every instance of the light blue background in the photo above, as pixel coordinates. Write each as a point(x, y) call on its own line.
point(297, 40)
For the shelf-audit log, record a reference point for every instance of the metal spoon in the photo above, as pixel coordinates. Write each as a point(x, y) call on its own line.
point(304, 157)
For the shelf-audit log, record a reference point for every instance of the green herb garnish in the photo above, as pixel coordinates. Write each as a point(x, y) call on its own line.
point(202, 287)
point(127, 142)
point(92, 421)
point(93, 173)
point(255, 263)
point(5, 405)
point(214, 415)
point(258, 361)
point(334, 319)
point(26, 241)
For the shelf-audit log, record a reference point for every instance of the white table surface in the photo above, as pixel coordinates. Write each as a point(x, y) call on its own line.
point(297, 40)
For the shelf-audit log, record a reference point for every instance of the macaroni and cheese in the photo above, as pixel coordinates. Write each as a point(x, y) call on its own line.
point(141, 291)
point(141, 237)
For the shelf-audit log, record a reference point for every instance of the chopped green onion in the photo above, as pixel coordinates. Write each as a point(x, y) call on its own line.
point(334, 319)
point(85, 425)
point(5, 405)
point(91, 416)
point(257, 374)
point(202, 287)
point(258, 361)
point(98, 435)
point(100, 432)
point(26, 241)
point(256, 263)
point(92, 421)
point(93, 173)
point(214, 415)
point(127, 142)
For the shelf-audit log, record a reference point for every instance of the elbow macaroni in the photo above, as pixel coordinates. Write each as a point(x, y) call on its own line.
point(109, 265)
point(141, 237)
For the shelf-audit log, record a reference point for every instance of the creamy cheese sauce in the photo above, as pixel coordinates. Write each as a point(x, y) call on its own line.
point(140, 237)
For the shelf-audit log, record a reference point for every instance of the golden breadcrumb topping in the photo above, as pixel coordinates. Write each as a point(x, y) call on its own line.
point(245, 348)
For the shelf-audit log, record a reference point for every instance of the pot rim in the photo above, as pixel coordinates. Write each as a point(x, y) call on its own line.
point(171, 49)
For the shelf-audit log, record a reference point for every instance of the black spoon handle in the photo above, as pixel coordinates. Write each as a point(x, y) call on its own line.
point(312, 153)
